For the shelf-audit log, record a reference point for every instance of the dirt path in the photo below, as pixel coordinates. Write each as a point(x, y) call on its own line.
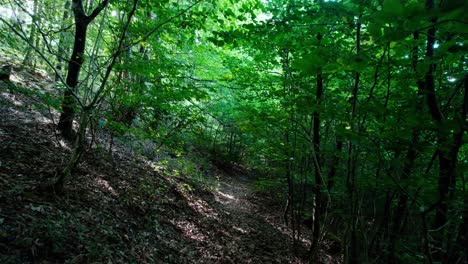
point(253, 231)
point(258, 237)
point(234, 194)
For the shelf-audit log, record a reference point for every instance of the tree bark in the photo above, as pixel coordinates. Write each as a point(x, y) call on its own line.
point(28, 57)
point(401, 210)
point(82, 21)
point(77, 153)
point(62, 50)
point(448, 144)
point(319, 201)
point(335, 163)
point(353, 255)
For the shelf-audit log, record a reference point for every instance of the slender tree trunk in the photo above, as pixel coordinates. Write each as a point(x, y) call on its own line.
point(334, 164)
point(462, 239)
point(66, 118)
point(353, 255)
point(402, 205)
point(461, 252)
point(77, 152)
point(289, 208)
point(383, 230)
point(456, 252)
point(449, 144)
point(28, 57)
point(37, 40)
point(82, 21)
point(320, 205)
point(65, 124)
point(62, 49)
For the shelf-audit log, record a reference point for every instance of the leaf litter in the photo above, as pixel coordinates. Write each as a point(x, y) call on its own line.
point(121, 209)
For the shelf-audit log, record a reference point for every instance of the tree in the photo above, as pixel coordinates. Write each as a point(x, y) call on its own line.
point(353, 112)
point(75, 63)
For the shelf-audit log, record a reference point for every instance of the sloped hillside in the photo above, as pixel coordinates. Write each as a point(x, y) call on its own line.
point(123, 207)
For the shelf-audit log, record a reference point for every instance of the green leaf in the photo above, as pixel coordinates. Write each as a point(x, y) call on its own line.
point(393, 8)
point(229, 12)
point(375, 30)
point(395, 34)
point(310, 63)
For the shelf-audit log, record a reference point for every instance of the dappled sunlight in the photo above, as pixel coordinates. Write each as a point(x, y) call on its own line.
point(153, 165)
point(190, 230)
point(202, 207)
point(16, 78)
point(232, 195)
point(241, 230)
point(197, 204)
point(61, 143)
point(105, 185)
point(225, 198)
point(12, 99)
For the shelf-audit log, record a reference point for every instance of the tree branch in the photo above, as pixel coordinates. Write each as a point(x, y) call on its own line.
point(151, 32)
point(97, 10)
point(97, 98)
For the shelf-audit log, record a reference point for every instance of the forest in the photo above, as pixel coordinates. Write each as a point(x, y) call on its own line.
point(234, 131)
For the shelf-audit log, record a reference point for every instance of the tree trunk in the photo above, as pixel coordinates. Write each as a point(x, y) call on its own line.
point(448, 145)
point(82, 21)
point(66, 118)
point(460, 254)
point(320, 205)
point(62, 50)
point(402, 207)
point(65, 124)
point(457, 253)
point(334, 164)
point(77, 153)
point(28, 57)
point(353, 255)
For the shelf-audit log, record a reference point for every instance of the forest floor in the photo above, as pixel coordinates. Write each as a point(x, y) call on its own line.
point(123, 207)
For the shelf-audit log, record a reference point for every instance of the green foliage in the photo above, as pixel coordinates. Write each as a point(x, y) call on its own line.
point(248, 81)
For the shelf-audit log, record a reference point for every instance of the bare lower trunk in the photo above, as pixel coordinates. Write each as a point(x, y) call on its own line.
point(77, 153)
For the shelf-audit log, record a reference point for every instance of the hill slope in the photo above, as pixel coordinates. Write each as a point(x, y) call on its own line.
point(121, 208)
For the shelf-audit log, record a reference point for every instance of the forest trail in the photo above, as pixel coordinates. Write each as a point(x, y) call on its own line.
point(123, 209)
point(236, 227)
point(254, 227)
point(247, 131)
point(263, 234)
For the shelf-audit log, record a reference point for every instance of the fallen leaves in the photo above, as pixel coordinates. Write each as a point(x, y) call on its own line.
point(124, 208)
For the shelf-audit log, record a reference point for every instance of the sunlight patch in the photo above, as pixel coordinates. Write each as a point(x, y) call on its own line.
point(225, 198)
point(12, 99)
point(202, 207)
point(243, 231)
point(63, 144)
point(286, 231)
point(190, 230)
point(105, 185)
